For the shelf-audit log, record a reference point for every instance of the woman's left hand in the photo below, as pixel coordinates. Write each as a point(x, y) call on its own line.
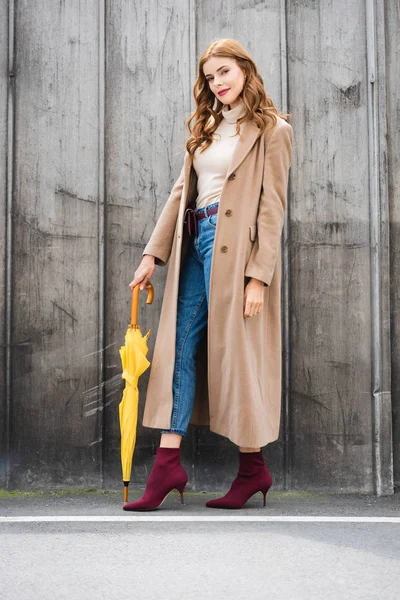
point(253, 297)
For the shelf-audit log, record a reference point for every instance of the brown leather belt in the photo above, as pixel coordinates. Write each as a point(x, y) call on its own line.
point(207, 212)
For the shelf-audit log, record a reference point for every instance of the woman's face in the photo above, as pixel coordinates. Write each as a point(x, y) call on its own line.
point(224, 74)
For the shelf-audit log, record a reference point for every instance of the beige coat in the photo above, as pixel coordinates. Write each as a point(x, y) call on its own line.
point(238, 369)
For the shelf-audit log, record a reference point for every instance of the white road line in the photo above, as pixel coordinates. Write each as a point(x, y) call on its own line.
point(194, 518)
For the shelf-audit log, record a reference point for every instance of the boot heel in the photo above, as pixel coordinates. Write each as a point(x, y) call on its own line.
point(180, 489)
point(265, 491)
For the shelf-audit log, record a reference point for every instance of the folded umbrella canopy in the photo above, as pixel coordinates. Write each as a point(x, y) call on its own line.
point(134, 363)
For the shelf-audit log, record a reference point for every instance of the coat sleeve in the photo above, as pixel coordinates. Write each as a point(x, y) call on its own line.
point(273, 199)
point(160, 242)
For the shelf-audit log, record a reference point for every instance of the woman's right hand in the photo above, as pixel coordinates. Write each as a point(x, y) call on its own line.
point(143, 273)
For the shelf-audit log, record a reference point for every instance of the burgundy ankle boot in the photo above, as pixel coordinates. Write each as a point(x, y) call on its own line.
point(167, 474)
point(253, 477)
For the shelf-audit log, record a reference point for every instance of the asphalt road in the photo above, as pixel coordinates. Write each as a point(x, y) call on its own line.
point(144, 556)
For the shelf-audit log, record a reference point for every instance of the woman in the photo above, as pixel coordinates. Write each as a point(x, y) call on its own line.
point(217, 355)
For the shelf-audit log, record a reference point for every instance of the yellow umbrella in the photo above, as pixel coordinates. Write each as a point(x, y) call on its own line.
point(134, 363)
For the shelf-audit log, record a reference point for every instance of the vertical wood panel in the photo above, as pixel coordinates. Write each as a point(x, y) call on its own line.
point(55, 427)
point(379, 244)
point(329, 246)
point(4, 140)
point(147, 104)
point(393, 119)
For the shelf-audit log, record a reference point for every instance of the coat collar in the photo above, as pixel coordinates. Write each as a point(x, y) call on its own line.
point(244, 144)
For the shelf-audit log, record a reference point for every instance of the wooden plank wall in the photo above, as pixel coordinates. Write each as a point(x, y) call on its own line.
point(392, 23)
point(94, 130)
point(56, 240)
point(4, 92)
point(331, 309)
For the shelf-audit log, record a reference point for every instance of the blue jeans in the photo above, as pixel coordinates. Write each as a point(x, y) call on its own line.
point(192, 319)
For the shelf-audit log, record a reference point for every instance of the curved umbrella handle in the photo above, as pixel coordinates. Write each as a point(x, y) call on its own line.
point(135, 300)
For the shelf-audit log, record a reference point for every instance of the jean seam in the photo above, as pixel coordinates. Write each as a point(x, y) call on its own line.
point(196, 246)
point(174, 430)
point(180, 352)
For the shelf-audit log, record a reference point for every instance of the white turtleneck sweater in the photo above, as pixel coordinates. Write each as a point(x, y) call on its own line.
point(212, 164)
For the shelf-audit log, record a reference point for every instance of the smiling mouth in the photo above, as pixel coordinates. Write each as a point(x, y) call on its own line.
point(223, 92)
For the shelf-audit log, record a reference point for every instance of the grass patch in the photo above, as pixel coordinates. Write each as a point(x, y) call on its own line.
point(46, 493)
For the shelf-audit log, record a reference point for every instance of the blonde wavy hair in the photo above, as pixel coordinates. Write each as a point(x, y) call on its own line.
point(259, 107)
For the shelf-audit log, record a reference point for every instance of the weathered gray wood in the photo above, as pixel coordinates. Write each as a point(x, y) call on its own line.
point(329, 249)
point(56, 423)
point(392, 23)
point(379, 243)
point(331, 346)
point(148, 101)
point(4, 141)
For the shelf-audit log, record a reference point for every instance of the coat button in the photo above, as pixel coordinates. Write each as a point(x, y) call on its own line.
point(228, 212)
point(224, 248)
point(232, 176)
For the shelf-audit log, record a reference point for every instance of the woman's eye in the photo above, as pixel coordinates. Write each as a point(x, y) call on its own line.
point(222, 73)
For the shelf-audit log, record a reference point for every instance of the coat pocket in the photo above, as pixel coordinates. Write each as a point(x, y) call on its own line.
point(253, 232)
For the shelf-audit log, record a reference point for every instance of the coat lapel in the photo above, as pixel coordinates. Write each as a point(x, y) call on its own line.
point(244, 144)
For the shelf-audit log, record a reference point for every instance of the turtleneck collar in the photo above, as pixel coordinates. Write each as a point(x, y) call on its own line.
point(233, 114)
